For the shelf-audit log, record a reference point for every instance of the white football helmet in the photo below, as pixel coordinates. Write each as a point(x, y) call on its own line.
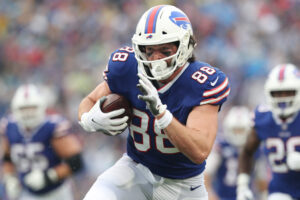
point(29, 106)
point(237, 125)
point(159, 25)
point(284, 77)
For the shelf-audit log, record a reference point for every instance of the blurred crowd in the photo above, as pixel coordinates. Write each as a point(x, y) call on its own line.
point(64, 46)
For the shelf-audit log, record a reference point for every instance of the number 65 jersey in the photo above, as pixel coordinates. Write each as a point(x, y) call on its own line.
point(197, 84)
point(279, 138)
point(33, 150)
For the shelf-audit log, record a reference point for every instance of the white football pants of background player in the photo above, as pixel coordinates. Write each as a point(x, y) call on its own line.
point(63, 192)
point(279, 196)
point(130, 180)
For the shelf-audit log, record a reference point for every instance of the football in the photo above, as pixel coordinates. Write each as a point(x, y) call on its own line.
point(115, 102)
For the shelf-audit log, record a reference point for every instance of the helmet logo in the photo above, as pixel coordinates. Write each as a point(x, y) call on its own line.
point(297, 73)
point(180, 19)
point(149, 37)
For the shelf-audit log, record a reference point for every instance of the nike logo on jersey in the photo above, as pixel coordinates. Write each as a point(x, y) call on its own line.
point(194, 188)
point(215, 81)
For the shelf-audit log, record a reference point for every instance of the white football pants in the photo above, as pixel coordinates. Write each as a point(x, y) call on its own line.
point(128, 180)
point(279, 196)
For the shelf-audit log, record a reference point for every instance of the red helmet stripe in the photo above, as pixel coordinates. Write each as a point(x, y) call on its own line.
point(182, 19)
point(151, 19)
point(281, 73)
point(26, 94)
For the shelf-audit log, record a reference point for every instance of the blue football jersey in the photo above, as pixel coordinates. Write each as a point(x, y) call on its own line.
point(226, 175)
point(278, 137)
point(197, 84)
point(33, 150)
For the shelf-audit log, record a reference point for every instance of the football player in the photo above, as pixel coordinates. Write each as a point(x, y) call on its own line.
point(278, 127)
point(175, 102)
point(39, 151)
point(222, 163)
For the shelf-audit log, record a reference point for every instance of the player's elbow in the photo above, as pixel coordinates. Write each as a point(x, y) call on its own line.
point(199, 157)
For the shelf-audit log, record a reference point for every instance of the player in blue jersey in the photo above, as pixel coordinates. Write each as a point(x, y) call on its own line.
point(175, 102)
point(278, 128)
point(39, 151)
point(222, 163)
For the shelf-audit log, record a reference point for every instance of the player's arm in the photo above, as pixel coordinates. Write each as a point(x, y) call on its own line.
point(246, 158)
point(90, 100)
point(246, 162)
point(196, 138)
point(7, 165)
point(11, 181)
point(71, 155)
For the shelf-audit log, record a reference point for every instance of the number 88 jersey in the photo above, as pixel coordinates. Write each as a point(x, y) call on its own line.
point(279, 138)
point(197, 84)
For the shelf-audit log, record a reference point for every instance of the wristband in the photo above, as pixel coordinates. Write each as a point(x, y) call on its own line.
point(166, 119)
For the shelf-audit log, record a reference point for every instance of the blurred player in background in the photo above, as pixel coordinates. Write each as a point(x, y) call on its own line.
point(222, 164)
point(175, 102)
point(278, 127)
point(39, 151)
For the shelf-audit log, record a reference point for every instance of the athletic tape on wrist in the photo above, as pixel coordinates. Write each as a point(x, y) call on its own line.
point(166, 119)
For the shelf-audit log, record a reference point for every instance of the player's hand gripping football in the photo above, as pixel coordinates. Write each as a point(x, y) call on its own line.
point(150, 96)
point(96, 120)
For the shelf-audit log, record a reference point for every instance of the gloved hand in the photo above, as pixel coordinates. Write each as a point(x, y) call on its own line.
point(243, 190)
point(293, 160)
point(12, 187)
point(39, 179)
point(96, 120)
point(150, 96)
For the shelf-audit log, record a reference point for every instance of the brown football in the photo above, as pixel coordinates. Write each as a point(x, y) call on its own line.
point(115, 102)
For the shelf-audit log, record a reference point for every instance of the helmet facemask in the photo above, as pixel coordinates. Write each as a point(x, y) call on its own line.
point(283, 105)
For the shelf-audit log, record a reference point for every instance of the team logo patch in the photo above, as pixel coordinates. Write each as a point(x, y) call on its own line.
point(180, 19)
point(297, 73)
point(149, 37)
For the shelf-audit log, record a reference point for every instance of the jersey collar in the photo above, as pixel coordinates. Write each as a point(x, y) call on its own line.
point(164, 88)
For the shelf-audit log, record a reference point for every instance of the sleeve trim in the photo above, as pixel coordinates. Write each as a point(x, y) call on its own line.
point(217, 89)
point(216, 100)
